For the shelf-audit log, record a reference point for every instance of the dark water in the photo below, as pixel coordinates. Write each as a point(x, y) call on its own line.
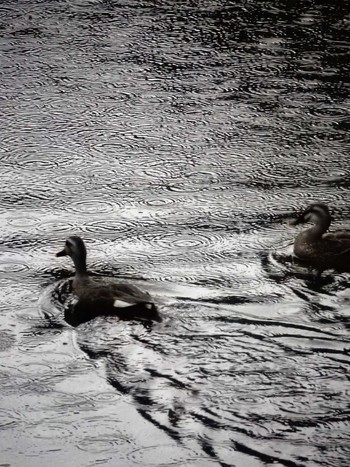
point(175, 138)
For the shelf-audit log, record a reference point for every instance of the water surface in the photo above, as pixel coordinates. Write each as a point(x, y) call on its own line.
point(175, 138)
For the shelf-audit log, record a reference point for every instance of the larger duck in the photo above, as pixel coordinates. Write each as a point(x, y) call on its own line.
point(101, 297)
point(319, 247)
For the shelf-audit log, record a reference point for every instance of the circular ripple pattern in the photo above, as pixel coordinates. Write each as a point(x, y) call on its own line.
point(112, 228)
point(91, 207)
point(71, 180)
point(28, 158)
point(52, 430)
point(155, 456)
point(97, 445)
point(188, 241)
point(23, 221)
point(12, 267)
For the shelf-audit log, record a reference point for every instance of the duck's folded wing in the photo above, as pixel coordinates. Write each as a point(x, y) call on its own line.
point(118, 295)
point(129, 294)
point(338, 243)
point(342, 234)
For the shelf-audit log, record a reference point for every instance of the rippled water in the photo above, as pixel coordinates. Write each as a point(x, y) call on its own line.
point(175, 138)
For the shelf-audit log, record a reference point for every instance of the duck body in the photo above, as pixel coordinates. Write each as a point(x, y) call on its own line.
point(319, 247)
point(105, 296)
point(108, 297)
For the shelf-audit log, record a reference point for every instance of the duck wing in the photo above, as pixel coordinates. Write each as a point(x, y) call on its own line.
point(341, 234)
point(130, 302)
point(337, 242)
point(128, 294)
point(105, 291)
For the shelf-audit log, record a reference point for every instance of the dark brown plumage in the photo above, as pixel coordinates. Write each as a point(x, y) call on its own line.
point(105, 296)
point(318, 247)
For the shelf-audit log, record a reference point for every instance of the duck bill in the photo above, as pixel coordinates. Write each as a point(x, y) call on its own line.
point(61, 253)
point(296, 221)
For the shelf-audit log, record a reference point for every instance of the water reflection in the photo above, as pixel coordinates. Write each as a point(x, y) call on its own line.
point(176, 138)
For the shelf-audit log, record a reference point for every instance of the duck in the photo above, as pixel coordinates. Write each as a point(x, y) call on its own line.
point(102, 296)
point(320, 248)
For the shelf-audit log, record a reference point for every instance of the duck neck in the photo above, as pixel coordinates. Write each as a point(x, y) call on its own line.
point(320, 227)
point(80, 266)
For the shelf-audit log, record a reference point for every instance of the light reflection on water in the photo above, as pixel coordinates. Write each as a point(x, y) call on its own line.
point(175, 139)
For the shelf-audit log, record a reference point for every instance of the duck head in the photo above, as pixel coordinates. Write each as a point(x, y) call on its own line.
point(75, 248)
point(317, 213)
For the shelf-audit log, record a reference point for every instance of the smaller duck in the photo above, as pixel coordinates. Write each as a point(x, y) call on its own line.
point(317, 247)
point(105, 297)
